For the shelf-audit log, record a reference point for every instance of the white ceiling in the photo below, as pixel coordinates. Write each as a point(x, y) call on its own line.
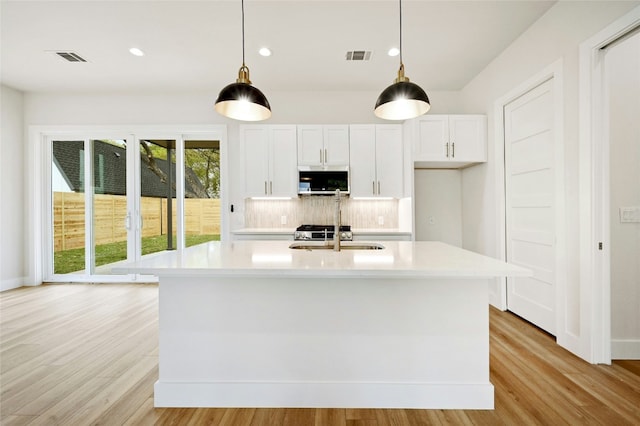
point(196, 45)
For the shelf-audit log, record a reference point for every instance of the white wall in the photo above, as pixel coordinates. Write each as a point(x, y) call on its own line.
point(556, 35)
point(12, 188)
point(623, 79)
point(438, 205)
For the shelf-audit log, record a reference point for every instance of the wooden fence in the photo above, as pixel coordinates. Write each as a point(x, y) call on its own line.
point(202, 217)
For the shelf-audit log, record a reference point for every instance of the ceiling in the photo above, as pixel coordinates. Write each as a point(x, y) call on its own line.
point(196, 45)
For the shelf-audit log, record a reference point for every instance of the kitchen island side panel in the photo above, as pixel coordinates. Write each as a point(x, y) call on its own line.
point(339, 342)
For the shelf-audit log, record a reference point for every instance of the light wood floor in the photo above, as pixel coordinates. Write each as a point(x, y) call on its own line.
point(87, 354)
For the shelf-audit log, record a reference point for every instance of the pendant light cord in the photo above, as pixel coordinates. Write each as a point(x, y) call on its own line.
point(243, 33)
point(400, 1)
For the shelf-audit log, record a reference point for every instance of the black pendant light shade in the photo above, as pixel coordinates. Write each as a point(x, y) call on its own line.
point(241, 100)
point(402, 100)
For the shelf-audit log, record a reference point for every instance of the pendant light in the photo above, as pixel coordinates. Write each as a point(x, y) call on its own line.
point(241, 100)
point(403, 99)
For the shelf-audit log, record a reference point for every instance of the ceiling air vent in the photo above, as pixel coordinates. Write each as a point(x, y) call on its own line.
point(71, 57)
point(358, 55)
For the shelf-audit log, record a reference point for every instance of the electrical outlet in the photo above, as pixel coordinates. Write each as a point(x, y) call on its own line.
point(630, 214)
point(283, 220)
point(380, 220)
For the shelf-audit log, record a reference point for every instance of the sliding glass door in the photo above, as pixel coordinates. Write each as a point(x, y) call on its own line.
point(117, 199)
point(90, 211)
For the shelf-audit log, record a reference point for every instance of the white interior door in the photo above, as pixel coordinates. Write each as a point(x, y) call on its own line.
point(530, 205)
point(622, 65)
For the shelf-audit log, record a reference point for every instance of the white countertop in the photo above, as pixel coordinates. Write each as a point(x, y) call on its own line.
point(290, 231)
point(284, 231)
point(425, 259)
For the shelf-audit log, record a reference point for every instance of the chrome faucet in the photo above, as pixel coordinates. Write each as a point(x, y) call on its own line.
point(336, 223)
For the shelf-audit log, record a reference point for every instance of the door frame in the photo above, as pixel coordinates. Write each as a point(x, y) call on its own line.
point(37, 173)
point(594, 219)
point(552, 72)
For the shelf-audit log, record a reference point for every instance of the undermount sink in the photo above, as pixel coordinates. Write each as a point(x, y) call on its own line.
point(343, 246)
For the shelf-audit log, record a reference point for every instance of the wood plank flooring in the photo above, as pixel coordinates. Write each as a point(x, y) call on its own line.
point(78, 354)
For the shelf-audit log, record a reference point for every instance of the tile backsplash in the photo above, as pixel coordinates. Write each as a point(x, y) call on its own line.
point(381, 214)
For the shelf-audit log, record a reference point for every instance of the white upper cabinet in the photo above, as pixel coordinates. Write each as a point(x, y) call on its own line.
point(450, 141)
point(323, 145)
point(270, 160)
point(376, 160)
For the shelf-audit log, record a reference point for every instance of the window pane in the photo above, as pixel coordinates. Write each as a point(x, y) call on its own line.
point(67, 186)
point(202, 191)
point(109, 203)
point(157, 181)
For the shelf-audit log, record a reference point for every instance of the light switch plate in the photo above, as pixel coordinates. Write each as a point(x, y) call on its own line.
point(630, 214)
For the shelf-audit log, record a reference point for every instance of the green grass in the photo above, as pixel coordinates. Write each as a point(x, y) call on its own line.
point(68, 261)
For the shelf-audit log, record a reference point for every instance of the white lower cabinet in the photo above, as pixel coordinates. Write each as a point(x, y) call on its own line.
point(449, 141)
point(270, 160)
point(376, 154)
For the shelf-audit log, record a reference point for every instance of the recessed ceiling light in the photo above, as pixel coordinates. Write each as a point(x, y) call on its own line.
point(264, 51)
point(136, 52)
point(394, 51)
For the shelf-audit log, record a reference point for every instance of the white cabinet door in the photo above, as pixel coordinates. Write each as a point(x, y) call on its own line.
point(389, 160)
point(467, 136)
point(270, 160)
point(432, 138)
point(450, 141)
point(362, 168)
point(320, 145)
point(255, 141)
point(336, 145)
point(310, 145)
point(376, 160)
point(283, 162)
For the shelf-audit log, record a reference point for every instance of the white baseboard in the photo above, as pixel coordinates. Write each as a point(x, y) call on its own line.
point(12, 283)
point(625, 349)
point(324, 395)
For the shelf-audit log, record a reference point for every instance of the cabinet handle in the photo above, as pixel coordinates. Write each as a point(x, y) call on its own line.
point(378, 187)
point(374, 187)
point(265, 187)
point(447, 145)
point(325, 156)
point(321, 156)
point(453, 150)
point(271, 187)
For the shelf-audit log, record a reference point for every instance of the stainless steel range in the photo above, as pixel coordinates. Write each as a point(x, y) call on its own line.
point(321, 233)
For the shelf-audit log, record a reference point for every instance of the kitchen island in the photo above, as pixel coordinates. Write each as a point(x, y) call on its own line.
point(257, 324)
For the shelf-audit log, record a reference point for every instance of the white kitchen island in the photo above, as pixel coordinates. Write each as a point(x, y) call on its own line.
point(257, 324)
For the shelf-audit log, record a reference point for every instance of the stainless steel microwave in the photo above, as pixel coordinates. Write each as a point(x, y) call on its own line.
point(323, 180)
